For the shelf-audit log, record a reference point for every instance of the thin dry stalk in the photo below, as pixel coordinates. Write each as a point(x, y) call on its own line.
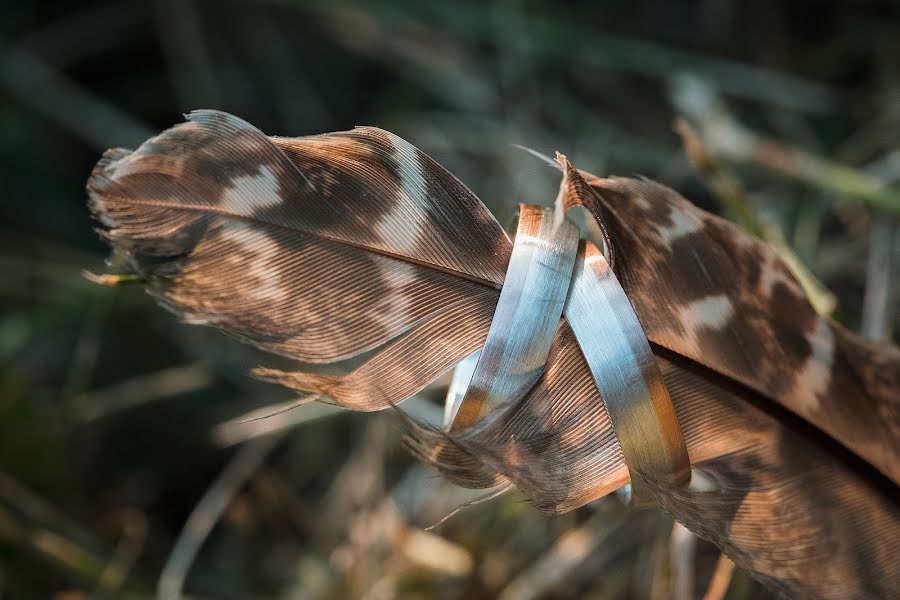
point(721, 579)
point(206, 514)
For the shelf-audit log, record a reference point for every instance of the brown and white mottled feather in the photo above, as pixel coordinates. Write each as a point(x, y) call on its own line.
point(704, 289)
point(357, 251)
point(294, 245)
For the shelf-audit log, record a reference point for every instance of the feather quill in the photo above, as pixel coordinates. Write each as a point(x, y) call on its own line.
point(356, 252)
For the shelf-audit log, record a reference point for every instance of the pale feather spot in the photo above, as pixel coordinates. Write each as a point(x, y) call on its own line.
point(252, 192)
point(405, 221)
point(682, 224)
point(711, 312)
point(772, 275)
point(642, 203)
point(814, 378)
point(258, 254)
point(398, 276)
point(194, 319)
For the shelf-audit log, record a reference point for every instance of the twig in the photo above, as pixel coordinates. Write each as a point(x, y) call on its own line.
point(725, 137)
point(206, 514)
point(110, 280)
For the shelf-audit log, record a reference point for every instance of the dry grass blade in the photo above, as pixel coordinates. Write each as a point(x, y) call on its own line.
point(733, 141)
point(567, 553)
point(721, 579)
point(682, 551)
point(203, 518)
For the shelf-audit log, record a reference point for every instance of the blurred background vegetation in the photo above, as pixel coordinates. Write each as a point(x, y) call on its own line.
point(119, 425)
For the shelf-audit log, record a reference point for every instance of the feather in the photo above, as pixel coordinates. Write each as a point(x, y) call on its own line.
point(356, 252)
point(719, 297)
point(322, 249)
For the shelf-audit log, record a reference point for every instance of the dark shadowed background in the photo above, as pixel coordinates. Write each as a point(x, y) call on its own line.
point(117, 422)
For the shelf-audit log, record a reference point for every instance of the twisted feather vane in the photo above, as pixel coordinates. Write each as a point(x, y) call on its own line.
point(361, 258)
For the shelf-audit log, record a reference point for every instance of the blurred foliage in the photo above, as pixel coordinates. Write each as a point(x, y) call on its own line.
point(111, 413)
